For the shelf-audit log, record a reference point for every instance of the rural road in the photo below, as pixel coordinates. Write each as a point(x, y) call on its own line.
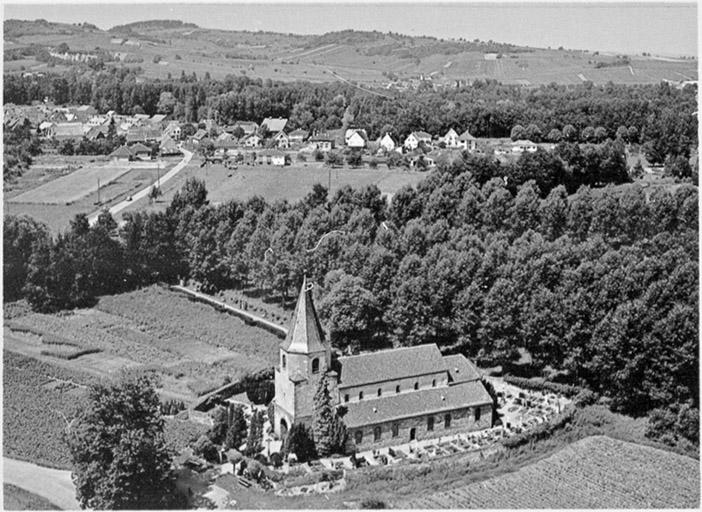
point(53, 484)
point(114, 210)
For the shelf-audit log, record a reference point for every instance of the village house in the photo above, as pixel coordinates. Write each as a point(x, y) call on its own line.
point(298, 136)
point(172, 130)
point(98, 132)
point(356, 138)
point(467, 141)
point(168, 147)
point(521, 146)
point(140, 152)
point(249, 127)
point(121, 154)
point(253, 141)
point(271, 157)
point(323, 142)
point(199, 136)
point(274, 124)
point(66, 131)
point(143, 134)
point(390, 396)
point(451, 139)
point(281, 140)
point(387, 143)
point(415, 138)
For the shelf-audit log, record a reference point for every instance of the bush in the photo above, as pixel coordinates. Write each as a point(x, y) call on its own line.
point(373, 503)
point(543, 385)
point(276, 459)
point(206, 449)
point(542, 431)
point(586, 397)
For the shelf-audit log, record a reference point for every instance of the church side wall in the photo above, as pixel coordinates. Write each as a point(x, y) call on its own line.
point(462, 420)
point(389, 388)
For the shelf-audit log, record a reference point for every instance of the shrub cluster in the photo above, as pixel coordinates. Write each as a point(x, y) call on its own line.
point(536, 384)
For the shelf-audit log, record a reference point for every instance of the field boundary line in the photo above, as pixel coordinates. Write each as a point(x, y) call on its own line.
point(207, 299)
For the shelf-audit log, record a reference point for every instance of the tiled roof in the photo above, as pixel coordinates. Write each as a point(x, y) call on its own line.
point(121, 152)
point(274, 124)
point(391, 364)
point(460, 369)
point(416, 403)
point(466, 136)
point(305, 334)
point(139, 148)
point(422, 135)
point(68, 130)
point(299, 133)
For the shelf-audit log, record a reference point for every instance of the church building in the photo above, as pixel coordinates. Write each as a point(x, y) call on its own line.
point(389, 396)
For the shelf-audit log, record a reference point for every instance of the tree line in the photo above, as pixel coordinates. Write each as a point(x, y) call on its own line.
point(660, 117)
point(600, 285)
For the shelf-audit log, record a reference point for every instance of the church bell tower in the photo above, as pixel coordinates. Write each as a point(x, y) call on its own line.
point(303, 357)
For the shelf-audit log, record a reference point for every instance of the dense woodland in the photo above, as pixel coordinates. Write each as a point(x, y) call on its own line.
point(660, 117)
point(600, 286)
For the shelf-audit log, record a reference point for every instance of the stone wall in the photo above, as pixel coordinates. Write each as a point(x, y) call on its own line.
point(462, 420)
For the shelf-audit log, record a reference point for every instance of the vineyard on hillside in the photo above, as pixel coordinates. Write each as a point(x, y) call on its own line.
point(597, 472)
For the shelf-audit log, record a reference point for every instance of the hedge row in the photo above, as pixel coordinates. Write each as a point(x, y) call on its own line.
point(69, 355)
point(543, 385)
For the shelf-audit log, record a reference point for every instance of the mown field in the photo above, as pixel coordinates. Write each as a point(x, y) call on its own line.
point(43, 193)
point(273, 183)
point(15, 498)
point(596, 472)
point(190, 345)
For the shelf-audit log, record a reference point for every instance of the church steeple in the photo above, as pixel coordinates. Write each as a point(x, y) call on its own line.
point(305, 335)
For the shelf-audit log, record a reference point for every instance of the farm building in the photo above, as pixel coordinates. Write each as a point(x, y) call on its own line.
point(390, 396)
point(66, 131)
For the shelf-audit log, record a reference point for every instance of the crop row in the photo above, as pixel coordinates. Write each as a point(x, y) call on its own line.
point(597, 472)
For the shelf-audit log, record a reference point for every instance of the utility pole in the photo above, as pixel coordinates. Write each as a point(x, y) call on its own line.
point(158, 174)
point(98, 190)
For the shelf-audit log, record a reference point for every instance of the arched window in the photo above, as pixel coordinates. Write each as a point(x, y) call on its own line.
point(477, 414)
point(416, 385)
point(360, 395)
point(447, 420)
point(395, 429)
point(283, 361)
point(397, 388)
point(430, 423)
point(315, 365)
point(376, 434)
point(359, 436)
point(433, 383)
point(380, 391)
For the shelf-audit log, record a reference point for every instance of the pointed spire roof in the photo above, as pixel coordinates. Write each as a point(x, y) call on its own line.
point(305, 334)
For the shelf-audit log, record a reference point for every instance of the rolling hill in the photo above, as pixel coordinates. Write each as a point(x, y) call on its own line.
point(373, 58)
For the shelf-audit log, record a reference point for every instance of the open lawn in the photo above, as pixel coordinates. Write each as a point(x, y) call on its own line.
point(596, 472)
point(273, 183)
point(190, 345)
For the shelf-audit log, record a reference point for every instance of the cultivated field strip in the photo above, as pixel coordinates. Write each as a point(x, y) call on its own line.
point(597, 472)
point(72, 187)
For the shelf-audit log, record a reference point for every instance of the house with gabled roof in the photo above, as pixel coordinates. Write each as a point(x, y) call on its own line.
point(168, 147)
point(298, 136)
point(451, 139)
point(281, 140)
point(323, 142)
point(415, 138)
point(356, 138)
point(140, 151)
point(387, 142)
point(253, 141)
point(467, 141)
point(122, 154)
point(274, 124)
point(66, 131)
point(387, 397)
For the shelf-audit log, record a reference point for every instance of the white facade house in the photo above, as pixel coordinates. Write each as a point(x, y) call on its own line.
point(387, 143)
point(252, 141)
point(413, 139)
point(467, 141)
point(281, 140)
point(451, 139)
point(356, 138)
point(521, 146)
